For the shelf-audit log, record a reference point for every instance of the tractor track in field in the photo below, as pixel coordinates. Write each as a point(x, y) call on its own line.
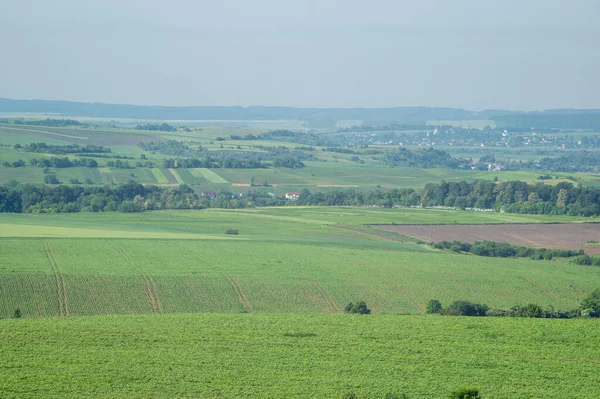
point(370, 233)
point(541, 287)
point(399, 290)
point(149, 285)
point(239, 293)
point(237, 290)
point(328, 298)
point(61, 286)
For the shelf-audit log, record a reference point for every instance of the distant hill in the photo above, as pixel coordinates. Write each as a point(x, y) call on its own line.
point(101, 110)
point(323, 117)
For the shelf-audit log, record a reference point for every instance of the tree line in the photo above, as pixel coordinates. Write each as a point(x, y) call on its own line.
point(54, 162)
point(513, 197)
point(160, 127)
point(62, 149)
point(48, 122)
point(130, 197)
point(589, 307)
point(505, 250)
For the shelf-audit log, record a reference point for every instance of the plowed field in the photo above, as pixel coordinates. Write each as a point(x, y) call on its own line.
point(563, 236)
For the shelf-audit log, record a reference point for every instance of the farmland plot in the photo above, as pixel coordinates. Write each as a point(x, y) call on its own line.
point(563, 236)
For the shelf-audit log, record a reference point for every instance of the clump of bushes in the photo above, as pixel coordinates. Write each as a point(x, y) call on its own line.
point(586, 260)
point(357, 308)
point(234, 232)
point(464, 308)
point(590, 307)
point(505, 250)
point(433, 307)
point(466, 393)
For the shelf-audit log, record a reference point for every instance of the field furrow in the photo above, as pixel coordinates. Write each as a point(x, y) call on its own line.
point(149, 286)
point(332, 306)
point(61, 289)
point(239, 294)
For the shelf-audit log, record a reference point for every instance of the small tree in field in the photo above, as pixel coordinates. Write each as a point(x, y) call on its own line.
point(358, 308)
point(466, 393)
point(433, 307)
point(17, 313)
point(591, 303)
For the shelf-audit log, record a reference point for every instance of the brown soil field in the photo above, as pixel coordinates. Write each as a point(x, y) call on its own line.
point(563, 236)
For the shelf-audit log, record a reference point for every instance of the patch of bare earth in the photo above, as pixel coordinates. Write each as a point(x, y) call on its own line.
point(562, 236)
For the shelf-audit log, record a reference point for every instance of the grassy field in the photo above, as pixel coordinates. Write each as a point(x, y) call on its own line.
point(297, 356)
point(285, 260)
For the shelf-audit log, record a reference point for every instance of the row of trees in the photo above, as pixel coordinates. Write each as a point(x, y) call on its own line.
point(516, 196)
point(512, 196)
point(50, 122)
point(161, 127)
point(505, 250)
point(55, 162)
point(62, 149)
point(589, 307)
point(129, 197)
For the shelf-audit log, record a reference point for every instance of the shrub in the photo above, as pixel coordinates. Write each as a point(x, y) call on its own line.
point(466, 308)
point(17, 314)
point(466, 393)
point(349, 395)
point(51, 179)
point(591, 304)
point(532, 310)
point(232, 231)
point(358, 308)
point(433, 307)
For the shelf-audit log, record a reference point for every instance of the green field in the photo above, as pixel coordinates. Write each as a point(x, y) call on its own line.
point(297, 356)
point(285, 260)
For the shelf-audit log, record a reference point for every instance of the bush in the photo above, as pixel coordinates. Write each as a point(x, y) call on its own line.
point(17, 314)
point(466, 393)
point(51, 179)
point(232, 231)
point(591, 304)
point(349, 395)
point(466, 308)
point(127, 206)
point(532, 311)
point(433, 307)
point(357, 308)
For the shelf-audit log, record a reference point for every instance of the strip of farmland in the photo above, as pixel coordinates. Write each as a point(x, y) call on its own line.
point(564, 236)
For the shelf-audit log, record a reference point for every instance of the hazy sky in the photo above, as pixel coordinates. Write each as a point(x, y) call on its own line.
point(475, 54)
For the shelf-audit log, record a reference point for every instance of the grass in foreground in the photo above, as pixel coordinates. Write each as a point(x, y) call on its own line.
point(297, 356)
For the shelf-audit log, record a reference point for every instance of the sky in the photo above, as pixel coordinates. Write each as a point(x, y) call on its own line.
point(472, 54)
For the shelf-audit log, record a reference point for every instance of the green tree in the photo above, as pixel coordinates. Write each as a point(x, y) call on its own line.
point(357, 308)
point(592, 303)
point(433, 306)
point(17, 313)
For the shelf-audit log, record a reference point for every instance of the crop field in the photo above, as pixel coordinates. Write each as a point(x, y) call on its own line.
point(297, 356)
point(563, 236)
point(285, 260)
